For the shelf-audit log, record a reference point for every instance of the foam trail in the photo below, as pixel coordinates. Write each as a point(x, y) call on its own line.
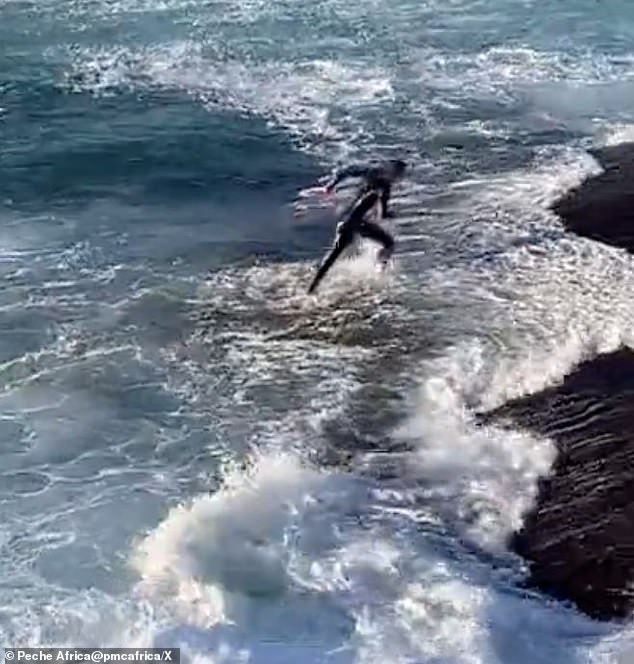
point(481, 478)
point(623, 133)
point(242, 557)
point(235, 540)
point(300, 96)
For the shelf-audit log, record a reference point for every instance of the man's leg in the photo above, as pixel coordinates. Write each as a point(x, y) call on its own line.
point(342, 241)
point(376, 233)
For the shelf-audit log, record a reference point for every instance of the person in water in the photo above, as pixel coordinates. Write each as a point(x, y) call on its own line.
point(356, 224)
point(379, 177)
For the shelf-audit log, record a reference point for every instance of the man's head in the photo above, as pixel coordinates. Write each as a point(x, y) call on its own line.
point(398, 167)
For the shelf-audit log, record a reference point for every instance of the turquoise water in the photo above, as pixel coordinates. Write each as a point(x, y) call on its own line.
point(192, 451)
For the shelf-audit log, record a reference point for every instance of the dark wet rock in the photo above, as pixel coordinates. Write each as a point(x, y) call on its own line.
point(579, 537)
point(602, 207)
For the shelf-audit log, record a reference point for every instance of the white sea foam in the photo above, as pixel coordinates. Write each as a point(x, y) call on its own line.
point(316, 100)
point(286, 562)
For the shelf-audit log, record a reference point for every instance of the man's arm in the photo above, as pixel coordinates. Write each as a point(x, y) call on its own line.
point(353, 171)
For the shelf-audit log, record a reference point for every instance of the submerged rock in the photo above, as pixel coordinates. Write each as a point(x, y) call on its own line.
point(602, 207)
point(579, 537)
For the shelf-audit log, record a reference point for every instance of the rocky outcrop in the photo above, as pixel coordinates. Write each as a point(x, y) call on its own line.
point(579, 537)
point(602, 207)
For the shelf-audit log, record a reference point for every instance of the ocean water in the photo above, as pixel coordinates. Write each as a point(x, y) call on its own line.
point(194, 453)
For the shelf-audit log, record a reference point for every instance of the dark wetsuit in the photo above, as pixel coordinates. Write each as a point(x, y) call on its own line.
point(379, 178)
point(355, 224)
